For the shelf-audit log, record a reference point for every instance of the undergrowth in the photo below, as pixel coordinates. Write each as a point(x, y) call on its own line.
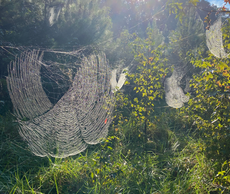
point(174, 161)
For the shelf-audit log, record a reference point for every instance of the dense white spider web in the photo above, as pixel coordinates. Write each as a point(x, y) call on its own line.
point(64, 125)
point(117, 85)
point(174, 95)
point(214, 39)
point(54, 13)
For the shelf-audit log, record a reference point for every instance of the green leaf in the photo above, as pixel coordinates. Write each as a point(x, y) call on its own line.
point(194, 2)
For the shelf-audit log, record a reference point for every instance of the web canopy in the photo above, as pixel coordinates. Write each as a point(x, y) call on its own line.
point(187, 36)
point(117, 85)
point(80, 117)
point(214, 39)
point(174, 95)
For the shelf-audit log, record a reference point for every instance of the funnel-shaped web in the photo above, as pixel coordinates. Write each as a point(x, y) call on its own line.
point(81, 116)
point(214, 39)
point(118, 85)
point(190, 33)
point(174, 95)
point(54, 13)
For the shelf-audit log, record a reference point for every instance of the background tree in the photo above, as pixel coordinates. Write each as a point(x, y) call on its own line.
point(80, 23)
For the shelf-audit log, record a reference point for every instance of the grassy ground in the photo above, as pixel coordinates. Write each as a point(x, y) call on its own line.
point(173, 161)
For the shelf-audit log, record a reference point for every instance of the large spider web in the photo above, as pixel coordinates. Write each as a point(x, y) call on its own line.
point(117, 85)
point(64, 124)
point(214, 39)
point(174, 94)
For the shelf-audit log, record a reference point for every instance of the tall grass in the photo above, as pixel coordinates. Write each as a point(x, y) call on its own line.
point(174, 162)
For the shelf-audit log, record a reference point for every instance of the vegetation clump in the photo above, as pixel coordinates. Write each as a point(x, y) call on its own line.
point(151, 148)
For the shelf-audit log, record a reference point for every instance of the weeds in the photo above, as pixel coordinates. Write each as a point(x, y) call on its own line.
point(174, 162)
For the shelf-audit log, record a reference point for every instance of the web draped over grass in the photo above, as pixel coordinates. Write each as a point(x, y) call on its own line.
point(80, 117)
point(174, 94)
point(214, 39)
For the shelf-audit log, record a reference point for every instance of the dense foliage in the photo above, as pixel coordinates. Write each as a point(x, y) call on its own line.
point(151, 147)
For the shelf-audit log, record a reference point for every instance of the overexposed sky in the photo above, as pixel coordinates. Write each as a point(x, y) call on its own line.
point(219, 3)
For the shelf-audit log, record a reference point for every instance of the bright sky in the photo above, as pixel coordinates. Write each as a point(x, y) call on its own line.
point(219, 3)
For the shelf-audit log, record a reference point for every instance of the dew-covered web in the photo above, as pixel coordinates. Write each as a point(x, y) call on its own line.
point(214, 39)
point(54, 13)
point(117, 85)
point(25, 87)
point(175, 96)
point(61, 107)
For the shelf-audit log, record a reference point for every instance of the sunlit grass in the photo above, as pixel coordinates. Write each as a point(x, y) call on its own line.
point(174, 162)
